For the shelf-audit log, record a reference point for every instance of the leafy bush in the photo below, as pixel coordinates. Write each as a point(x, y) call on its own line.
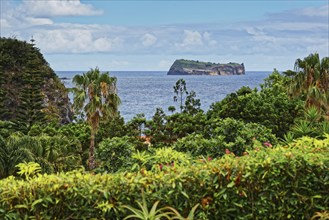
point(53, 153)
point(114, 153)
point(166, 129)
point(160, 159)
point(312, 124)
point(27, 170)
point(279, 183)
point(270, 107)
point(236, 135)
point(182, 124)
point(168, 156)
point(197, 145)
point(80, 131)
point(6, 128)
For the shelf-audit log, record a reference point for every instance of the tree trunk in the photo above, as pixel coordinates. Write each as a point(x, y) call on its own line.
point(91, 160)
point(181, 102)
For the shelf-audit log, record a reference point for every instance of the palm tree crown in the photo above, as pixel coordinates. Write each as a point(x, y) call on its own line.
point(310, 80)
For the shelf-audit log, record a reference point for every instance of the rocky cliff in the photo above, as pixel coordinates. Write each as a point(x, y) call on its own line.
point(191, 67)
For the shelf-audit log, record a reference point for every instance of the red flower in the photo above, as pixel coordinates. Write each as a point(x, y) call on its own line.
point(268, 144)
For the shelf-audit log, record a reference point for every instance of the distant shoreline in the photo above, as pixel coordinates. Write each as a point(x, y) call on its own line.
point(141, 71)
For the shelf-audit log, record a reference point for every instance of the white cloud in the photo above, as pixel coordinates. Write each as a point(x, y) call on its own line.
point(260, 35)
point(30, 13)
point(254, 31)
point(283, 33)
point(38, 21)
point(51, 8)
point(191, 38)
point(103, 44)
point(74, 41)
point(148, 39)
point(316, 12)
point(4, 23)
point(207, 38)
point(14, 20)
point(196, 39)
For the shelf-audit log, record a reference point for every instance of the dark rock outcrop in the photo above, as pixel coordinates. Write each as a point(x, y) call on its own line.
point(191, 67)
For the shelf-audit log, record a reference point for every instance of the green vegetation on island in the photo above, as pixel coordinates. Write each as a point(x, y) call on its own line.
point(191, 67)
point(256, 154)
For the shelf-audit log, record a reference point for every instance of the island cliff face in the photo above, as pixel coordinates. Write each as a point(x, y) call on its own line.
point(191, 67)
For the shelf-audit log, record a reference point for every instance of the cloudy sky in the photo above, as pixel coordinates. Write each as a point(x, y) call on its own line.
point(150, 35)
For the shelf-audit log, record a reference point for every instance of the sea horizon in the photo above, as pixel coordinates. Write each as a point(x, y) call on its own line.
point(63, 74)
point(144, 91)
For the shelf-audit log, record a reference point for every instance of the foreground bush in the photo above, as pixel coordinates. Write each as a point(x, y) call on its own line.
point(280, 183)
point(114, 153)
point(236, 135)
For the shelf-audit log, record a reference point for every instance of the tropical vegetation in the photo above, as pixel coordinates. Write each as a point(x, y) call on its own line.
point(95, 93)
point(257, 154)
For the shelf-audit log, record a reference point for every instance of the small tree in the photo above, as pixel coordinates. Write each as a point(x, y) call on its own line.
point(156, 128)
point(180, 90)
point(136, 125)
point(188, 102)
point(31, 109)
point(192, 105)
point(172, 109)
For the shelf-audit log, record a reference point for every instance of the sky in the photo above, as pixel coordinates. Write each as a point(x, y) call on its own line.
point(150, 35)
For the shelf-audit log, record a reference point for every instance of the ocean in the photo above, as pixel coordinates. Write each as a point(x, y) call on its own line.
point(144, 91)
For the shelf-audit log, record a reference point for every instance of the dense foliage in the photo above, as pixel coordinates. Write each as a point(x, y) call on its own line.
point(256, 154)
point(310, 81)
point(53, 153)
point(29, 88)
point(114, 153)
point(280, 183)
point(271, 106)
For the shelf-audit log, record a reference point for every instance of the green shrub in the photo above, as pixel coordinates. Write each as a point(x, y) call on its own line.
point(160, 159)
point(114, 153)
point(236, 135)
point(54, 153)
point(197, 146)
point(271, 106)
point(168, 156)
point(269, 183)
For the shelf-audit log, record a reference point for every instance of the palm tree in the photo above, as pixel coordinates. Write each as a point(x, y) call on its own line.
point(96, 94)
point(310, 80)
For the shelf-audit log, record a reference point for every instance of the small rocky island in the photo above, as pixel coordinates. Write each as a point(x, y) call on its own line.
point(191, 67)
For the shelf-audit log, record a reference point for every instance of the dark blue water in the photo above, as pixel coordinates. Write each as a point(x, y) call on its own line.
point(144, 91)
